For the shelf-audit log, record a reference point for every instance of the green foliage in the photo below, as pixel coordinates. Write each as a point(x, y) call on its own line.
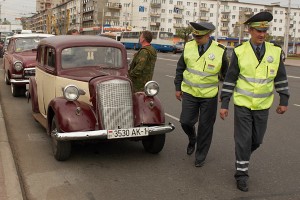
point(184, 33)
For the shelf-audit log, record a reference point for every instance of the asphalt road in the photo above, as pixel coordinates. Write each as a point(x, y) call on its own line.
point(123, 170)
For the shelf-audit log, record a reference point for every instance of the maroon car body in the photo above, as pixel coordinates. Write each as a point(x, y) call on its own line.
point(19, 61)
point(81, 91)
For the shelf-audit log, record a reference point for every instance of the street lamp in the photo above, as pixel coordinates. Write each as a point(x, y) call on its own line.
point(0, 11)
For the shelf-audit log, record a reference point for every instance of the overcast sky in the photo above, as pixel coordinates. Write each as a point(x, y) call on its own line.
point(12, 9)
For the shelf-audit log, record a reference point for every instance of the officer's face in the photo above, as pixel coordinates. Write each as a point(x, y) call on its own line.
point(257, 36)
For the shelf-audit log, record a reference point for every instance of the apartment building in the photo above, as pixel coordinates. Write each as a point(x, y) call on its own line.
point(95, 16)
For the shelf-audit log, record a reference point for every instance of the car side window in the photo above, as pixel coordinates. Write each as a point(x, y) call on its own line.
point(50, 57)
point(40, 55)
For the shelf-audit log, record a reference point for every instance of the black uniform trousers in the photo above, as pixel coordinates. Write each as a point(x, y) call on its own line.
point(191, 107)
point(249, 130)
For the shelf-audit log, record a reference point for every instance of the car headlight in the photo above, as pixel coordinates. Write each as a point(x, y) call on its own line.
point(18, 66)
point(72, 93)
point(151, 88)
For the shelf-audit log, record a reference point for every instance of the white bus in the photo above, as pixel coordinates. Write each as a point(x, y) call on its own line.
point(161, 41)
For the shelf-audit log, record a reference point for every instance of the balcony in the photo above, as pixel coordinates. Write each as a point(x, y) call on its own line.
point(204, 18)
point(88, 18)
point(155, 5)
point(204, 9)
point(89, 9)
point(224, 28)
point(224, 19)
point(177, 25)
point(178, 16)
point(225, 11)
point(155, 24)
point(249, 13)
point(154, 14)
point(111, 5)
point(180, 7)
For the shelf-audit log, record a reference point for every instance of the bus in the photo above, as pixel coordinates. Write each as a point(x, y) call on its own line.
point(112, 35)
point(161, 41)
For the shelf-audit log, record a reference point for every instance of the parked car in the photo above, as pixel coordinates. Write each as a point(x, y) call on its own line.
point(19, 61)
point(178, 47)
point(5, 43)
point(81, 91)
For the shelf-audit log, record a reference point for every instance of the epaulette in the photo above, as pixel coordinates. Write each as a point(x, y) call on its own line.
point(277, 45)
point(222, 46)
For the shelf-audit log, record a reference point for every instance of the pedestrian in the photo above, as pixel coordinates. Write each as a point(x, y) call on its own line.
point(255, 68)
point(196, 84)
point(73, 32)
point(143, 63)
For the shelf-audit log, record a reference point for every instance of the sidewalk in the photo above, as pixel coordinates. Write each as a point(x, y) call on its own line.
point(10, 188)
point(292, 62)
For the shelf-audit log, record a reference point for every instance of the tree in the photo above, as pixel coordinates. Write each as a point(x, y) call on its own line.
point(184, 33)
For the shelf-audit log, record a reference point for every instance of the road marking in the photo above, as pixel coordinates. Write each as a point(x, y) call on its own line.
point(171, 116)
point(297, 105)
point(170, 76)
point(293, 76)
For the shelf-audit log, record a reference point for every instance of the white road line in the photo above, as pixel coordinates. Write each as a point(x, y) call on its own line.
point(170, 76)
point(293, 76)
point(171, 116)
point(297, 105)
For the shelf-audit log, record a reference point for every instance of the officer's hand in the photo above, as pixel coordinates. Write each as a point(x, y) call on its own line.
point(223, 113)
point(178, 95)
point(281, 109)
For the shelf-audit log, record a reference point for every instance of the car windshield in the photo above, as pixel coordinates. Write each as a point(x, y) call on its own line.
point(23, 44)
point(104, 57)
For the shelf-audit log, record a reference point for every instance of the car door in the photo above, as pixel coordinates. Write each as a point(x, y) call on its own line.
point(45, 79)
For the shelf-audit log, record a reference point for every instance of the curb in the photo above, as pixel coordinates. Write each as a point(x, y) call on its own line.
point(10, 188)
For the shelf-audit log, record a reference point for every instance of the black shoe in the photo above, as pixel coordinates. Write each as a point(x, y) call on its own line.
point(242, 185)
point(199, 163)
point(190, 149)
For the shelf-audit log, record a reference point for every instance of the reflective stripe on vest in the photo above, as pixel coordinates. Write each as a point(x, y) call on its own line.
point(255, 84)
point(200, 78)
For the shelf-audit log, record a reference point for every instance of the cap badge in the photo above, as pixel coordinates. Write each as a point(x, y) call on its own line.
point(211, 56)
point(270, 59)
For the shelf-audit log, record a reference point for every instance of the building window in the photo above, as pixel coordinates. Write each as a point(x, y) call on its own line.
point(179, 3)
point(211, 5)
point(188, 3)
point(234, 7)
point(163, 10)
point(188, 13)
point(164, 1)
point(170, 1)
point(281, 12)
point(162, 19)
point(170, 11)
point(275, 11)
point(233, 17)
point(280, 21)
point(169, 30)
point(280, 29)
point(187, 22)
point(195, 4)
point(274, 29)
point(275, 20)
point(169, 20)
point(211, 14)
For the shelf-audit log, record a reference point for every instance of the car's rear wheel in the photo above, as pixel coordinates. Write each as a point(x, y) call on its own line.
point(61, 149)
point(154, 143)
point(6, 78)
point(17, 91)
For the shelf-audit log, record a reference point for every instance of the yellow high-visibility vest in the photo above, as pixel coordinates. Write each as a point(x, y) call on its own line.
point(200, 78)
point(255, 84)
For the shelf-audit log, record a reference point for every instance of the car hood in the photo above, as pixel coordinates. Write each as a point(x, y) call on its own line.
point(27, 57)
point(86, 75)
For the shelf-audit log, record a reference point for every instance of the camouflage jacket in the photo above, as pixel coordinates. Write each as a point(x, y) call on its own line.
point(142, 67)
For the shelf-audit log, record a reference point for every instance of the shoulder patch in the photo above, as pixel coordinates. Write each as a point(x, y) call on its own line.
point(221, 45)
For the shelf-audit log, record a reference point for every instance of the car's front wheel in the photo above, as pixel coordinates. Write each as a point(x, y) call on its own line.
point(154, 143)
point(17, 91)
point(61, 149)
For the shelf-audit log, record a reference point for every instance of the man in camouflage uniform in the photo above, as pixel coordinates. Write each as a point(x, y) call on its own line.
point(143, 63)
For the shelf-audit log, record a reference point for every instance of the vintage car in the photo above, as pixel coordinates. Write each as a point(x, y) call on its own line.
point(19, 61)
point(81, 92)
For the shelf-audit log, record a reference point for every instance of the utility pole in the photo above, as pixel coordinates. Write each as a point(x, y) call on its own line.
point(217, 20)
point(287, 27)
point(102, 29)
point(0, 11)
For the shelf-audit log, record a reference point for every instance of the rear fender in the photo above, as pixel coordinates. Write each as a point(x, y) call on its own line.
point(33, 95)
point(72, 116)
point(147, 110)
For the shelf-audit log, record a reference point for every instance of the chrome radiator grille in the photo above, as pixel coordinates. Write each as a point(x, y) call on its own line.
point(115, 104)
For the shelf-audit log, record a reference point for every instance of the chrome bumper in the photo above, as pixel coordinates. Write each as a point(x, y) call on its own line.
point(102, 134)
point(19, 81)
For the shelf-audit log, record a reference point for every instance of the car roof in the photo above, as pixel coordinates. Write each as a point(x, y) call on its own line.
point(63, 41)
point(29, 35)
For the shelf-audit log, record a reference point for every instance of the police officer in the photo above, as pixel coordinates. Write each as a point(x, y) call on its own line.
point(196, 84)
point(255, 68)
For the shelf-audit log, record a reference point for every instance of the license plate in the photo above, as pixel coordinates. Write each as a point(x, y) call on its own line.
point(126, 133)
